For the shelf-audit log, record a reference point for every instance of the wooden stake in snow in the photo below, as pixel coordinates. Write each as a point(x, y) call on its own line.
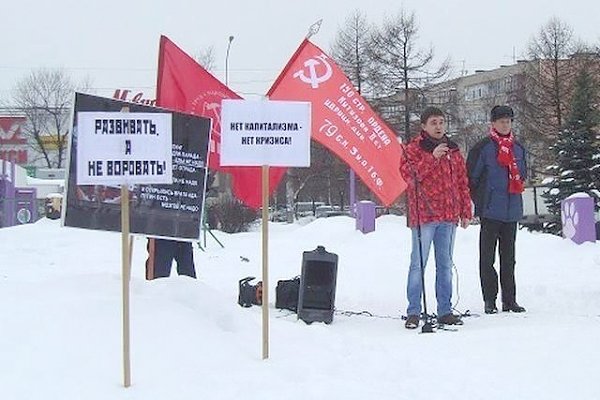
point(126, 247)
point(265, 261)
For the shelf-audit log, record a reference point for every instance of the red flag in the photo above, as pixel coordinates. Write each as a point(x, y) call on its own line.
point(342, 120)
point(184, 85)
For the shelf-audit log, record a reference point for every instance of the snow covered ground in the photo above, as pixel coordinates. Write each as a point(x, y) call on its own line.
point(60, 321)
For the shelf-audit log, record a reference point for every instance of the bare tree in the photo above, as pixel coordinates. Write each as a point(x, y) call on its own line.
point(349, 49)
point(44, 98)
point(206, 58)
point(398, 65)
point(548, 83)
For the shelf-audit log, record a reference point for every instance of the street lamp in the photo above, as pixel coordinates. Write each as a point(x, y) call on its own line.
point(227, 61)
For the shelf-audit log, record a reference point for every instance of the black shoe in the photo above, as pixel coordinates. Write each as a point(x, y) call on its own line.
point(490, 307)
point(450, 319)
point(412, 322)
point(514, 307)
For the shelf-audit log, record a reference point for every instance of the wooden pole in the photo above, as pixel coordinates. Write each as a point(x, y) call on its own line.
point(265, 261)
point(126, 253)
point(130, 255)
point(126, 274)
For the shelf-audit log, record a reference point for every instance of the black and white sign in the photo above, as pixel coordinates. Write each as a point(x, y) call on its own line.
point(275, 133)
point(123, 148)
point(172, 210)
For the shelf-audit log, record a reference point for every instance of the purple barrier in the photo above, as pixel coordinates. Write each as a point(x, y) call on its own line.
point(18, 205)
point(7, 190)
point(25, 208)
point(365, 216)
point(577, 215)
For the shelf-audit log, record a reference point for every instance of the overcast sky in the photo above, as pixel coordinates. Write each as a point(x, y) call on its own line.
point(115, 42)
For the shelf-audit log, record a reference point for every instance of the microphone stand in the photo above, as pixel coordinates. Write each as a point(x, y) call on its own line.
point(428, 325)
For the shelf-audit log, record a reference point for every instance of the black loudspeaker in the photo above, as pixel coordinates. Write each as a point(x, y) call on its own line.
point(317, 286)
point(286, 294)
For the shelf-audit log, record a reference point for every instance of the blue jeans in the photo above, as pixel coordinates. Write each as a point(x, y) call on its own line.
point(442, 236)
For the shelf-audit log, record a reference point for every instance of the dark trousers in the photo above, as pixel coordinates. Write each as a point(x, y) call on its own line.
point(161, 253)
point(504, 234)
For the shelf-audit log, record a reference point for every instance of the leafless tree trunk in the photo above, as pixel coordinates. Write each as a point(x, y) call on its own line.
point(302, 184)
point(398, 65)
point(290, 190)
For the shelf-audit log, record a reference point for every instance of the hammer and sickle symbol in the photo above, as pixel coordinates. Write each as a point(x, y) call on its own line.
point(314, 79)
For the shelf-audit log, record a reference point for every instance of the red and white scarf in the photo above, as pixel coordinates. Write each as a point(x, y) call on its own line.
point(506, 158)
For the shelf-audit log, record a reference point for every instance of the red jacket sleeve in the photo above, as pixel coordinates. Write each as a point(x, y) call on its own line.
point(462, 181)
point(417, 162)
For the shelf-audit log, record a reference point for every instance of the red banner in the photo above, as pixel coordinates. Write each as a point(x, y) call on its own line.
point(342, 120)
point(13, 146)
point(10, 130)
point(184, 85)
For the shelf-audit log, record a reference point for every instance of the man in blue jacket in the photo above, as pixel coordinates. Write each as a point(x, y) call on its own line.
point(497, 169)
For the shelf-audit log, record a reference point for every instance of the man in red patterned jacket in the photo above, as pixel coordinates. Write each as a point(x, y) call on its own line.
point(438, 200)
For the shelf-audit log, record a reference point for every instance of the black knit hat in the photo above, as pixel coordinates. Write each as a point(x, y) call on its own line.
point(501, 112)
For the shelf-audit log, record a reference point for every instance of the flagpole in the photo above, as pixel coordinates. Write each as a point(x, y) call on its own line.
point(265, 261)
point(352, 205)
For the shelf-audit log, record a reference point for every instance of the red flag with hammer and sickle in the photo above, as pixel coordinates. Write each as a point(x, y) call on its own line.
point(342, 120)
